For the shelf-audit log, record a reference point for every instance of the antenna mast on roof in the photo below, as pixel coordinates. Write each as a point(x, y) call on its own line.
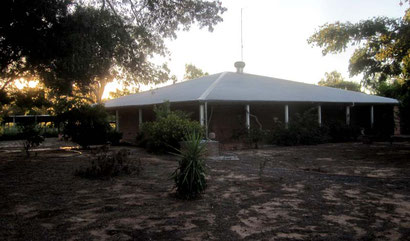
point(241, 37)
point(239, 65)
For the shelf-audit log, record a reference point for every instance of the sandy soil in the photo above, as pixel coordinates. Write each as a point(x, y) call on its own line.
point(326, 192)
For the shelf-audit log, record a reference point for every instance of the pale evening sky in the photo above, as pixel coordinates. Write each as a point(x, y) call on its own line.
point(275, 34)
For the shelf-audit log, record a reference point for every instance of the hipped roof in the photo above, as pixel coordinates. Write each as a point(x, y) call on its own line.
point(241, 87)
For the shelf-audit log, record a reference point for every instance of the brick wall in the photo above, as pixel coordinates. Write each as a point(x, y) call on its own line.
point(226, 120)
point(128, 123)
point(266, 114)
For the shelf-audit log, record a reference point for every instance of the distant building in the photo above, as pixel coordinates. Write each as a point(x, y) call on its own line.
point(229, 101)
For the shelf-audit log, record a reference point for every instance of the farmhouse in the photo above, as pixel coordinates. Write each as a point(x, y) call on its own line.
point(230, 101)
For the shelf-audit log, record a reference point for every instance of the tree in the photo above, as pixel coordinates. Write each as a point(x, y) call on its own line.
point(26, 100)
point(30, 101)
point(400, 90)
point(98, 49)
point(382, 54)
point(87, 125)
point(163, 18)
point(193, 72)
point(123, 92)
point(86, 44)
point(158, 20)
point(382, 46)
point(27, 35)
point(335, 79)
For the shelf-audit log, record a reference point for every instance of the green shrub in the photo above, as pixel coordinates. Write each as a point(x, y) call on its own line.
point(253, 136)
point(87, 125)
point(302, 130)
point(31, 136)
point(114, 137)
point(48, 132)
point(10, 134)
point(189, 177)
point(340, 132)
point(283, 136)
point(105, 165)
point(164, 110)
point(14, 132)
point(168, 129)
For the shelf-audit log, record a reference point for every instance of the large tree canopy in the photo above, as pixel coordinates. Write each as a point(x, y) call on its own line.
point(84, 45)
point(382, 55)
point(335, 79)
point(163, 18)
point(27, 32)
point(382, 46)
point(97, 48)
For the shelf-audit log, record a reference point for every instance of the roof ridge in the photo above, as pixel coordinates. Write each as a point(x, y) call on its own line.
point(211, 87)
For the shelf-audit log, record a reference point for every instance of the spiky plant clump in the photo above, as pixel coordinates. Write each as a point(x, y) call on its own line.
point(189, 177)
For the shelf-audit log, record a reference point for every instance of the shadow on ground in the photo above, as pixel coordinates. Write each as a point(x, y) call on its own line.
point(326, 192)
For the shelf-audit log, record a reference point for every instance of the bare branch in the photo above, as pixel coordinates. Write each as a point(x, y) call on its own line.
point(112, 8)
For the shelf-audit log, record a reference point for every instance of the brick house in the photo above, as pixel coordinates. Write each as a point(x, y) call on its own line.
point(229, 101)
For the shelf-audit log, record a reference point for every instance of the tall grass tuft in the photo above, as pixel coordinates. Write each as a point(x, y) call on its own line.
point(189, 177)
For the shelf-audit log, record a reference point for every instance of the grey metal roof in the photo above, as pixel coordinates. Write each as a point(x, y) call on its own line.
point(228, 86)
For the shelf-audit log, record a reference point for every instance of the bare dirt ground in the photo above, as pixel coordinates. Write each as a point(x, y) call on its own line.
point(327, 192)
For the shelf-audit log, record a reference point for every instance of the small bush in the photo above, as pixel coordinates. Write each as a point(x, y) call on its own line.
point(105, 165)
point(31, 135)
point(253, 136)
point(302, 130)
point(340, 132)
point(164, 110)
point(164, 134)
point(189, 177)
point(141, 140)
point(114, 137)
point(257, 136)
point(283, 136)
point(49, 132)
point(87, 125)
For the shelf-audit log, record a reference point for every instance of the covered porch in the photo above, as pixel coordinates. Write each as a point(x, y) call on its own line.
point(224, 119)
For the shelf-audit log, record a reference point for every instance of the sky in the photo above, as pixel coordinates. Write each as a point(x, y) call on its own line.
point(275, 34)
